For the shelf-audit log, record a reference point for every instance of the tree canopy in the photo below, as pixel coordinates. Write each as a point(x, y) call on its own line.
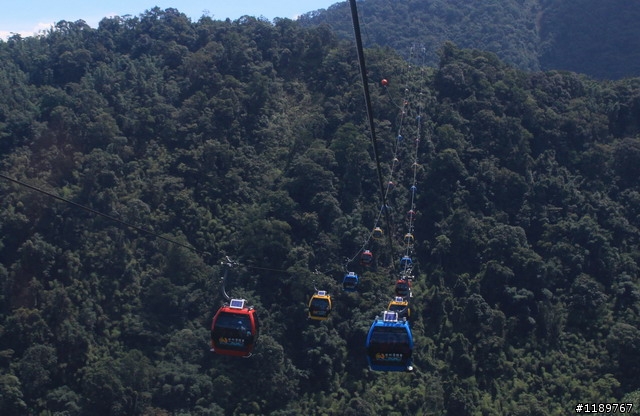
point(249, 139)
point(591, 37)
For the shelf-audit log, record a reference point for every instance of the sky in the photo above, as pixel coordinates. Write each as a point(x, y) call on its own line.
point(28, 17)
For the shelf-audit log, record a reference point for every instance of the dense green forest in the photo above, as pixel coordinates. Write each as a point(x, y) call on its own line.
point(249, 139)
point(593, 37)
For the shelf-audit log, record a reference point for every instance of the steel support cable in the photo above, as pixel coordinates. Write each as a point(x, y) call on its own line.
point(135, 227)
point(418, 132)
point(367, 99)
point(109, 217)
point(412, 203)
point(394, 164)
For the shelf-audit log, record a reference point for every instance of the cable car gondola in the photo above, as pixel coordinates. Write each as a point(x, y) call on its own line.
point(377, 233)
point(320, 306)
point(366, 258)
point(234, 329)
point(350, 282)
point(389, 344)
point(408, 239)
point(400, 306)
point(403, 288)
point(406, 262)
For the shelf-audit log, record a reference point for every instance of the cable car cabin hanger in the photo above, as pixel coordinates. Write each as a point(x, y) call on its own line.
point(389, 344)
point(320, 306)
point(234, 329)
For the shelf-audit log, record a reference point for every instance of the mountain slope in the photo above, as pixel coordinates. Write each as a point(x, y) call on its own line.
point(250, 139)
point(596, 38)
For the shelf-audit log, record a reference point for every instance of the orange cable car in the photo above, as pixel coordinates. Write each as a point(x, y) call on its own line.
point(234, 329)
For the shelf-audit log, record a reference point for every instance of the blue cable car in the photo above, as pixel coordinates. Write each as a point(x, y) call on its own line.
point(234, 329)
point(350, 282)
point(406, 262)
point(389, 344)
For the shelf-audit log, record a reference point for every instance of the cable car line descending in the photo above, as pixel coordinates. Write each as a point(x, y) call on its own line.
point(389, 343)
point(412, 104)
point(351, 279)
point(367, 99)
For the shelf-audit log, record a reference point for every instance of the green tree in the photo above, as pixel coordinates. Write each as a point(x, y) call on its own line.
point(622, 344)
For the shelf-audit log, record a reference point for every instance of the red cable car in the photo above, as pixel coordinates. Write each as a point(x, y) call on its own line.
point(234, 329)
point(366, 258)
point(403, 288)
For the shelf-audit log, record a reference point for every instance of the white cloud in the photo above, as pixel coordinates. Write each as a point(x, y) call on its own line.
point(35, 30)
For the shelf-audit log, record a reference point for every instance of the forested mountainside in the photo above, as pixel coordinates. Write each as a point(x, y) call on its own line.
point(597, 38)
point(249, 139)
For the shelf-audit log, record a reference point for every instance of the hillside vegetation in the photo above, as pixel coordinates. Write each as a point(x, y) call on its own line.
point(597, 38)
point(249, 139)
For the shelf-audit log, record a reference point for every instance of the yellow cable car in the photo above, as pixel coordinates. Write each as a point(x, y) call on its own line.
point(408, 238)
point(400, 306)
point(377, 233)
point(320, 306)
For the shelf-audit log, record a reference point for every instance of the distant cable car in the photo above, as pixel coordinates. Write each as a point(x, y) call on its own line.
point(366, 258)
point(408, 238)
point(384, 82)
point(320, 306)
point(400, 306)
point(350, 282)
point(411, 215)
point(389, 344)
point(234, 329)
point(377, 233)
point(406, 262)
point(403, 288)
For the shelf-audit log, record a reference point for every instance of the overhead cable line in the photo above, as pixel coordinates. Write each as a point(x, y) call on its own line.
point(135, 227)
point(109, 217)
point(367, 99)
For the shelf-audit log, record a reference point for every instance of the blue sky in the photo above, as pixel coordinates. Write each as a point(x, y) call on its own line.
point(30, 16)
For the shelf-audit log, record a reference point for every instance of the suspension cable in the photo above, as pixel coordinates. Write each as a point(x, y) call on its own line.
point(367, 99)
point(109, 217)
